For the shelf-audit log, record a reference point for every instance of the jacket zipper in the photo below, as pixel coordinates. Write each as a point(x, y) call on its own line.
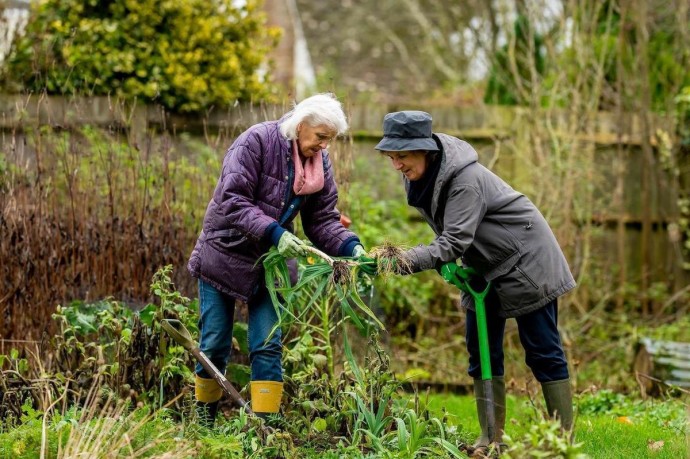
point(529, 279)
point(287, 200)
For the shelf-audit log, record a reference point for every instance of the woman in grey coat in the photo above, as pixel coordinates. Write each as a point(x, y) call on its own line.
point(482, 221)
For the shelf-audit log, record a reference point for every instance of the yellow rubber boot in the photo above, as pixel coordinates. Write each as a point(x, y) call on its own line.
point(266, 396)
point(208, 394)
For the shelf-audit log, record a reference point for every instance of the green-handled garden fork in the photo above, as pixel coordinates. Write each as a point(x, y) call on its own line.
point(460, 277)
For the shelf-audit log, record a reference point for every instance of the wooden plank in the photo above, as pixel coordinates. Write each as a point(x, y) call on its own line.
point(659, 364)
point(481, 122)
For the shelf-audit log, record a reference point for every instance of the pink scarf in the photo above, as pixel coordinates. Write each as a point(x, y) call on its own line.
point(308, 177)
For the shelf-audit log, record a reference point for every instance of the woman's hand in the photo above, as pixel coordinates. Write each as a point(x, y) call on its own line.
point(290, 246)
point(383, 265)
point(359, 251)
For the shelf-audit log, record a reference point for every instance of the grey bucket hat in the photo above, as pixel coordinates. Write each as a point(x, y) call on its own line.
point(405, 131)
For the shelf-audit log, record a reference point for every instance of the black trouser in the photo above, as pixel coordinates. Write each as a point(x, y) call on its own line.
point(538, 335)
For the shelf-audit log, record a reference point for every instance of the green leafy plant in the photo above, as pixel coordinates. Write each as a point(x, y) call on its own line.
point(24, 440)
point(413, 437)
point(109, 338)
point(371, 419)
point(361, 399)
point(543, 440)
point(603, 401)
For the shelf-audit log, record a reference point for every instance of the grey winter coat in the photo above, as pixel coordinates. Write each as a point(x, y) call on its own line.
point(252, 192)
point(494, 229)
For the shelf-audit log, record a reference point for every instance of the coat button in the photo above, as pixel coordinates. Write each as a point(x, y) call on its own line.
point(286, 177)
point(282, 203)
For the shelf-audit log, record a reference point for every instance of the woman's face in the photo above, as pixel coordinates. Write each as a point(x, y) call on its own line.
point(411, 163)
point(313, 139)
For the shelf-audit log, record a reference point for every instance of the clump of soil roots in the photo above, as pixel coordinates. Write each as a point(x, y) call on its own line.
point(390, 259)
point(342, 274)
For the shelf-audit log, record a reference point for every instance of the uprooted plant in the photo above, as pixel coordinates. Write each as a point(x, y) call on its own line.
point(359, 405)
point(323, 300)
point(327, 294)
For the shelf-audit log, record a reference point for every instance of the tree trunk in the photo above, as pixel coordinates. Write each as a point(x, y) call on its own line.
point(644, 108)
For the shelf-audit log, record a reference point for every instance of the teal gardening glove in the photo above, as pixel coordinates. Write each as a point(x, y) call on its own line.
point(367, 265)
point(290, 246)
point(374, 267)
point(462, 277)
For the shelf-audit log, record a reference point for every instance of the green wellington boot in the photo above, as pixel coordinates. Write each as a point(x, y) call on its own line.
point(559, 402)
point(499, 387)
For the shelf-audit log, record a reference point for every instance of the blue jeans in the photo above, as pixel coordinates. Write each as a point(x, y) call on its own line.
point(217, 311)
point(538, 334)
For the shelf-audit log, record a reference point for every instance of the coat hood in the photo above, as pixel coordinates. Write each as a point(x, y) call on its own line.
point(457, 155)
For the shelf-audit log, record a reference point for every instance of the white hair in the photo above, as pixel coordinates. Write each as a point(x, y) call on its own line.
point(315, 110)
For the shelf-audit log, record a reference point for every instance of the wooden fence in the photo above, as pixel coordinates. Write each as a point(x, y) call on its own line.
point(644, 234)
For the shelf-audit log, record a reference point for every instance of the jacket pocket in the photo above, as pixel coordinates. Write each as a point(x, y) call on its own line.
point(226, 239)
point(527, 277)
point(516, 291)
point(237, 273)
point(494, 251)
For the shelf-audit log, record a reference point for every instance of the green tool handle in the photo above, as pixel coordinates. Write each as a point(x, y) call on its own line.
point(482, 329)
point(484, 353)
point(483, 335)
point(460, 276)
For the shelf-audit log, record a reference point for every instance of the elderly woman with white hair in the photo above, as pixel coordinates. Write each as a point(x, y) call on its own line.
point(273, 171)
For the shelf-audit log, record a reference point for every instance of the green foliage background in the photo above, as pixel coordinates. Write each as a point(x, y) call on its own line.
point(111, 211)
point(519, 68)
point(181, 54)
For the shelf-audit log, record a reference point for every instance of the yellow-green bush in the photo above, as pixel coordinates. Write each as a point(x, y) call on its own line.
point(184, 54)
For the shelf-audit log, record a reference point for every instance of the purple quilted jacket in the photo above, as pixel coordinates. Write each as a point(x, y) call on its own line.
point(251, 194)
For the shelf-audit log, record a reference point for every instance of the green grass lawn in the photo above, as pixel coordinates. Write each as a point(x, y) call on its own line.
point(605, 437)
point(610, 426)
